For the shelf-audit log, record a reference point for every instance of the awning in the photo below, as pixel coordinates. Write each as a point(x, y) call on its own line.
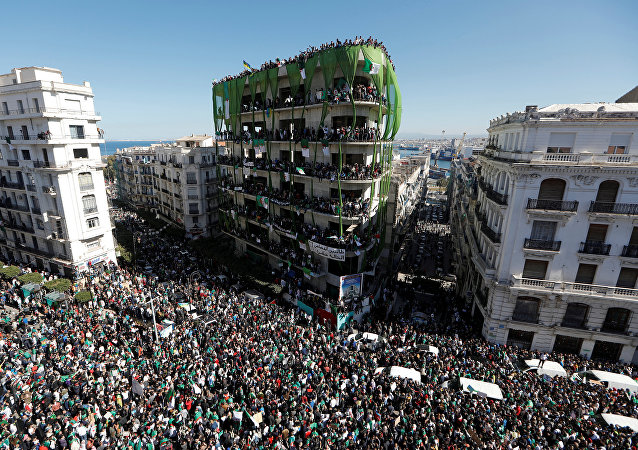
point(28, 288)
point(54, 297)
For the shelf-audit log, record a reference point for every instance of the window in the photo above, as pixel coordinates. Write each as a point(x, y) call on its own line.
point(79, 153)
point(561, 142)
point(543, 230)
point(607, 191)
point(575, 315)
point(25, 132)
point(619, 143)
point(20, 107)
point(520, 338)
point(535, 269)
point(586, 273)
point(616, 320)
point(597, 232)
point(85, 181)
point(93, 245)
point(89, 204)
point(77, 131)
point(567, 344)
point(627, 278)
point(93, 222)
point(195, 220)
point(5, 108)
point(191, 160)
point(36, 105)
point(607, 351)
point(526, 310)
point(10, 131)
point(193, 208)
point(551, 189)
point(26, 155)
point(191, 178)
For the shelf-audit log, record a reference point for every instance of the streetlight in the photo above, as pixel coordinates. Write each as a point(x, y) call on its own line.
point(152, 302)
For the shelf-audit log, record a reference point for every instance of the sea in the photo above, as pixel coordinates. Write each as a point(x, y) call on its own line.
point(110, 146)
point(407, 153)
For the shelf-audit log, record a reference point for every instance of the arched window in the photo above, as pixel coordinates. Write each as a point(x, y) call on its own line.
point(607, 191)
point(617, 320)
point(526, 309)
point(552, 189)
point(85, 181)
point(575, 315)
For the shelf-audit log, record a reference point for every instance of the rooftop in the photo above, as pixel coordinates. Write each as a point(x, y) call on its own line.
point(571, 112)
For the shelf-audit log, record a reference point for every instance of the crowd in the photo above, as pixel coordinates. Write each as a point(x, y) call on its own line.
point(303, 56)
point(320, 170)
point(324, 134)
point(242, 372)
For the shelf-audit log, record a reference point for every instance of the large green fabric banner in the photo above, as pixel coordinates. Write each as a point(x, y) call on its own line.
point(262, 82)
point(348, 58)
point(294, 78)
point(376, 56)
point(311, 66)
point(273, 81)
point(328, 60)
point(252, 84)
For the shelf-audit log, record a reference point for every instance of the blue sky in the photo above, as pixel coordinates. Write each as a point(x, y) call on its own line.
point(459, 64)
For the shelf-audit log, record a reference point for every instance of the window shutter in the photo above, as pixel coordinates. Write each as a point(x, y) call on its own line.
point(535, 269)
point(551, 189)
point(586, 273)
point(627, 278)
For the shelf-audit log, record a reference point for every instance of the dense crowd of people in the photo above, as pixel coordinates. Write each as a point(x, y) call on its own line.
point(245, 372)
point(303, 56)
point(349, 172)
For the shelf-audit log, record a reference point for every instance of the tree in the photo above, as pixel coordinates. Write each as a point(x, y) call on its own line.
point(59, 284)
point(10, 272)
point(109, 170)
point(83, 296)
point(442, 182)
point(30, 278)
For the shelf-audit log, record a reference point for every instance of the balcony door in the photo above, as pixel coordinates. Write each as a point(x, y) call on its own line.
point(607, 191)
point(552, 189)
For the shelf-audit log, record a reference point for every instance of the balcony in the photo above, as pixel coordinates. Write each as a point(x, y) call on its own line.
point(193, 196)
point(11, 185)
point(194, 212)
point(49, 190)
point(541, 244)
point(14, 206)
point(91, 210)
point(630, 251)
point(31, 188)
point(19, 227)
point(565, 287)
point(35, 210)
point(176, 180)
point(13, 162)
point(491, 234)
point(191, 181)
point(614, 208)
point(490, 193)
point(86, 187)
point(41, 164)
point(552, 205)
point(594, 248)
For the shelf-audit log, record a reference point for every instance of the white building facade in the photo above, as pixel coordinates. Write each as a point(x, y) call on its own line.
point(548, 230)
point(178, 182)
point(54, 208)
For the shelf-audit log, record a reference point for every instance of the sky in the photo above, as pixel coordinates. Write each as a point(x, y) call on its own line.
point(458, 63)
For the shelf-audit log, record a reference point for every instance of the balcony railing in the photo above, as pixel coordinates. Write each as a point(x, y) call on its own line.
point(19, 226)
point(542, 244)
point(49, 190)
point(35, 210)
point(491, 234)
point(614, 208)
point(12, 184)
point(594, 248)
point(86, 187)
point(193, 211)
point(42, 110)
point(630, 251)
point(552, 205)
point(13, 162)
point(90, 210)
point(41, 164)
point(497, 197)
point(31, 187)
point(565, 287)
point(191, 181)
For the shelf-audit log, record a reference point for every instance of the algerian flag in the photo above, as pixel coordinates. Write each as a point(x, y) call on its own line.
point(370, 67)
point(301, 171)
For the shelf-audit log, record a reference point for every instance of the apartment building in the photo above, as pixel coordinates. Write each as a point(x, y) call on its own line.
point(306, 174)
point(546, 226)
point(53, 205)
point(176, 181)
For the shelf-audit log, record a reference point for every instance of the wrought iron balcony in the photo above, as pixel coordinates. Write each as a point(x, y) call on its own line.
point(614, 208)
point(542, 244)
point(497, 197)
point(552, 205)
point(630, 251)
point(13, 162)
point(491, 234)
point(594, 248)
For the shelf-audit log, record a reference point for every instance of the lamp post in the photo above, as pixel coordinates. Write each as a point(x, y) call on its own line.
point(152, 302)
